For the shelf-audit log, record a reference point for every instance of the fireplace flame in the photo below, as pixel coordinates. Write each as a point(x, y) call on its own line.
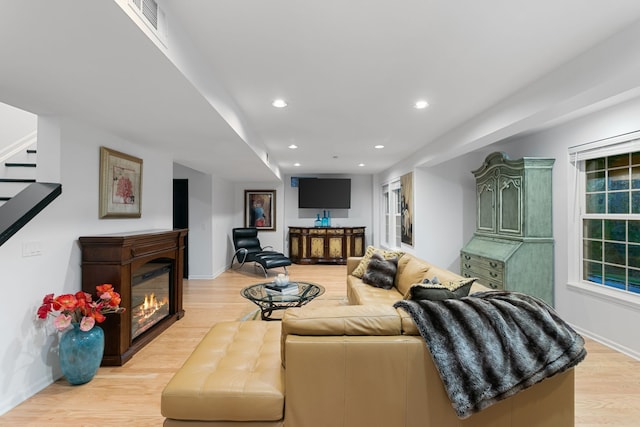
point(150, 306)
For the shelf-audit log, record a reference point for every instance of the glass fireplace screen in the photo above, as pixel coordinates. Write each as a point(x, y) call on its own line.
point(150, 296)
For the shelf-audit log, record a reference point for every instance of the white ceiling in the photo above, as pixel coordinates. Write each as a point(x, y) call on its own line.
point(350, 71)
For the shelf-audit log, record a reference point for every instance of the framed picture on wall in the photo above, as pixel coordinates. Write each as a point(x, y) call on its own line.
point(260, 209)
point(120, 185)
point(406, 206)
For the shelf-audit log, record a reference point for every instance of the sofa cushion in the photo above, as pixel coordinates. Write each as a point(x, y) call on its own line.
point(380, 272)
point(440, 291)
point(348, 320)
point(359, 293)
point(362, 267)
point(411, 270)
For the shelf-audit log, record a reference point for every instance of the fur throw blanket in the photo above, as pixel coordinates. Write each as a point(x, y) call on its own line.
point(493, 344)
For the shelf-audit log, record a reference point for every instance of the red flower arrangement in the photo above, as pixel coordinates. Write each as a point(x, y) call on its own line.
point(80, 308)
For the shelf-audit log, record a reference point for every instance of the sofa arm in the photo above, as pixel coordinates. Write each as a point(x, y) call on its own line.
point(352, 263)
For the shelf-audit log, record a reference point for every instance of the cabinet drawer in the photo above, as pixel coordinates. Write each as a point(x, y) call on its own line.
point(493, 283)
point(485, 270)
point(473, 261)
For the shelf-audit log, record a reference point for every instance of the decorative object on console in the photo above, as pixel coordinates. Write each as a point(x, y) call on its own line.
point(380, 272)
point(260, 209)
point(512, 247)
point(120, 185)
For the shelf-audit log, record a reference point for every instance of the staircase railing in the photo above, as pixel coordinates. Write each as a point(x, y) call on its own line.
point(21, 208)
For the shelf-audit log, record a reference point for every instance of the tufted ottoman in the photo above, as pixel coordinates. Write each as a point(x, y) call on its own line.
point(233, 377)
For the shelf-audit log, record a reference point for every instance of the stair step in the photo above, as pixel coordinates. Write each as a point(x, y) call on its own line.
point(16, 180)
point(4, 199)
point(21, 165)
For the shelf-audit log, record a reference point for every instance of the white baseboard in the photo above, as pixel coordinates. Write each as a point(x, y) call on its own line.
point(15, 400)
point(604, 341)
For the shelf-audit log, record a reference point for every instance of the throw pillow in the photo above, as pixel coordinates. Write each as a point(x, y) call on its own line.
point(362, 267)
point(440, 291)
point(380, 272)
point(410, 270)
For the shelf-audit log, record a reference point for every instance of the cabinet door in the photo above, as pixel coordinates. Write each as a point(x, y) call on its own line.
point(510, 204)
point(486, 204)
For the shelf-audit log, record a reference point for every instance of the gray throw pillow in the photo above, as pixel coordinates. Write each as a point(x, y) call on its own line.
point(428, 290)
point(380, 272)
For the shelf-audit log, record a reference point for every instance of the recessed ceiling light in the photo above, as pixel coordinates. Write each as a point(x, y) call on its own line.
point(422, 104)
point(293, 146)
point(361, 164)
point(279, 103)
point(296, 164)
point(379, 146)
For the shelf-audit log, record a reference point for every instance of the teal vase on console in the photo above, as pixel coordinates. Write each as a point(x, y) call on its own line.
point(81, 353)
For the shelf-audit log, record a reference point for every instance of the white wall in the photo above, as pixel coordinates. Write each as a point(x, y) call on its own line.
point(444, 204)
point(16, 124)
point(224, 216)
point(360, 214)
point(28, 352)
point(199, 238)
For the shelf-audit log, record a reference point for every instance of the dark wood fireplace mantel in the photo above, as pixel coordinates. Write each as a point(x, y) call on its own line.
point(113, 259)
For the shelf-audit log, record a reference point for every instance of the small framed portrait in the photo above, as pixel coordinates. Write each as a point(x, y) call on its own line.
point(260, 209)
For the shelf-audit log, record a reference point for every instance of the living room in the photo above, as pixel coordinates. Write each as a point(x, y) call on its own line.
point(68, 153)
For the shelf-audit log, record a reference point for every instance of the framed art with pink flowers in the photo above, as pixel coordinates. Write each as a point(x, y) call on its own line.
point(120, 185)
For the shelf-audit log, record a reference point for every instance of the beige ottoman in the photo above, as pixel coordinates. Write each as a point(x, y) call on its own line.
point(233, 377)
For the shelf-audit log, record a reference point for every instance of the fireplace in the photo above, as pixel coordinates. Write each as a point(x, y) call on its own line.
point(150, 291)
point(146, 269)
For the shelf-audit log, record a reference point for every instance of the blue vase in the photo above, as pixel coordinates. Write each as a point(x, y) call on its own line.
point(81, 353)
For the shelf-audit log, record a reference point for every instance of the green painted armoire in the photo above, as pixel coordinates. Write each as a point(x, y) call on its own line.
point(512, 247)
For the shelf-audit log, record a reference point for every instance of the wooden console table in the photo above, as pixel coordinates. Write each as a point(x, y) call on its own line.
point(114, 259)
point(311, 245)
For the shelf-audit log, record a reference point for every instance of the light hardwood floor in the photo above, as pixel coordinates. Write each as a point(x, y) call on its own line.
point(607, 382)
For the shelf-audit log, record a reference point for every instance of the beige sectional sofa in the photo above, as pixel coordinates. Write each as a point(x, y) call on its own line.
point(359, 365)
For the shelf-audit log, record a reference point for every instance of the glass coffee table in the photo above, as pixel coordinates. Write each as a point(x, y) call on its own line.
point(270, 300)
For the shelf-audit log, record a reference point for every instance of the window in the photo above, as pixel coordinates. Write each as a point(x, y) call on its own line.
point(608, 204)
point(391, 209)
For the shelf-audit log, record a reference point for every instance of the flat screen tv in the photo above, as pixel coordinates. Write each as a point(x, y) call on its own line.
point(324, 193)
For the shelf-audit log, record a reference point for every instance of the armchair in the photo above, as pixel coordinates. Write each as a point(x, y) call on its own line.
point(247, 248)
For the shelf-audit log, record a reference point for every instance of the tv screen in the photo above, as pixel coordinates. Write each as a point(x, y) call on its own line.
point(324, 193)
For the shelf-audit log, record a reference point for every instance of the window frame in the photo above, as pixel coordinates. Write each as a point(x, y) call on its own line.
point(391, 215)
point(578, 156)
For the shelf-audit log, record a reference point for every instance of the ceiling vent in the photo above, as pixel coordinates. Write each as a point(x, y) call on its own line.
point(153, 17)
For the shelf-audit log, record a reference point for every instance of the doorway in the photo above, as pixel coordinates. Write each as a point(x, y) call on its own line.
point(181, 216)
